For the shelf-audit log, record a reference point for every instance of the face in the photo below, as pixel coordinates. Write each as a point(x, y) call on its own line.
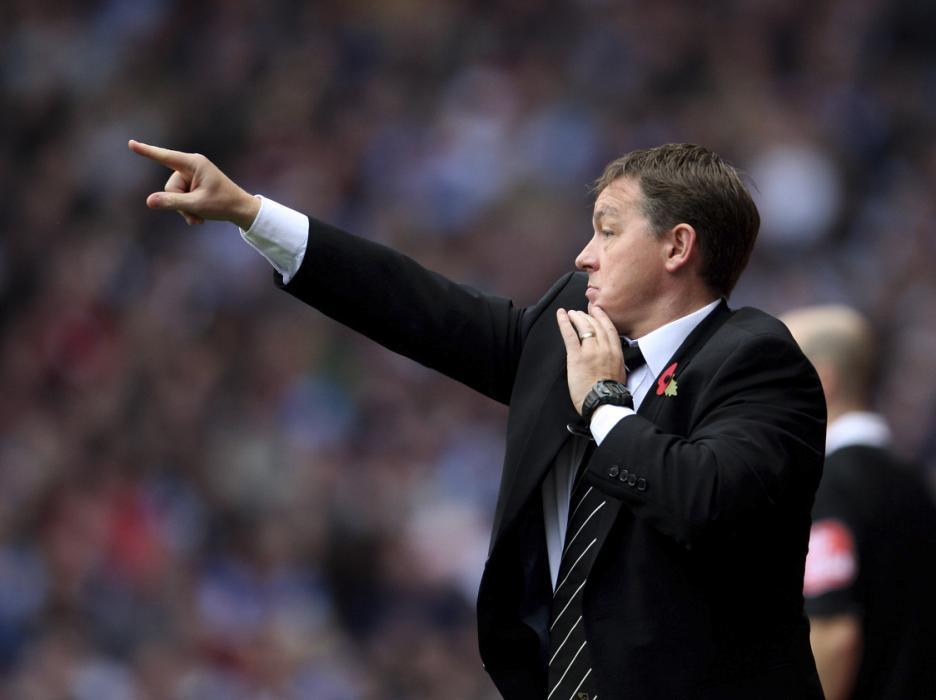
point(624, 258)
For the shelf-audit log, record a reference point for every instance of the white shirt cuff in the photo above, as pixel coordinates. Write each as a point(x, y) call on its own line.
point(605, 418)
point(279, 234)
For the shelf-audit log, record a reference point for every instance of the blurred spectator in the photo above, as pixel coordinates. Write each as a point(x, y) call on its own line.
point(871, 570)
point(176, 469)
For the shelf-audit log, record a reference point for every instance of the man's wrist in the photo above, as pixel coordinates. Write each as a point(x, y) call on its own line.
point(606, 391)
point(245, 211)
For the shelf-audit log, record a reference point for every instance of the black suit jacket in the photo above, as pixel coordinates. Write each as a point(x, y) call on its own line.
point(697, 591)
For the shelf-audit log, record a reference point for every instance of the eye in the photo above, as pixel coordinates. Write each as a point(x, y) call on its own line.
point(606, 233)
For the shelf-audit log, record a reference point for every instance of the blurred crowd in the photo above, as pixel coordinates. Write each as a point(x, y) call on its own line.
point(210, 491)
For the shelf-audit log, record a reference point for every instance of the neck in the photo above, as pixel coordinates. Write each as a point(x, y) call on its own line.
point(837, 409)
point(669, 307)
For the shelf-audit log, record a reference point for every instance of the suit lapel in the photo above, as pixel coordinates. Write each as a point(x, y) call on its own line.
point(656, 400)
point(540, 411)
point(541, 435)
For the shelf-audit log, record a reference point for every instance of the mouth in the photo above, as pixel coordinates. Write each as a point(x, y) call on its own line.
point(591, 291)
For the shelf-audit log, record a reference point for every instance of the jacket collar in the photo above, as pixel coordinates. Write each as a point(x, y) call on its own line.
point(660, 345)
point(682, 358)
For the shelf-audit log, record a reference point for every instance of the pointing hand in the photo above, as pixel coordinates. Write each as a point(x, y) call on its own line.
point(197, 189)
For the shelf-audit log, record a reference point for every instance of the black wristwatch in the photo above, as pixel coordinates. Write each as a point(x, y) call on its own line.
point(606, 391)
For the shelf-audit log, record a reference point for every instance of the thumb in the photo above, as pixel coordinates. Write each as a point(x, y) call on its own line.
point(181, 201)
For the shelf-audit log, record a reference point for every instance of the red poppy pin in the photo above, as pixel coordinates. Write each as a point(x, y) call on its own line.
point(666, 384)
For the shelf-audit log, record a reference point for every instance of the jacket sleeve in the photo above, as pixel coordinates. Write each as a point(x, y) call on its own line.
point(469, 336)
point(755, 447)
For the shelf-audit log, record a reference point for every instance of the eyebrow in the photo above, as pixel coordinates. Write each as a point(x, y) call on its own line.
point(605, 211)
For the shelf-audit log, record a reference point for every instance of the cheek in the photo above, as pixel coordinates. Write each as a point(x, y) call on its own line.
point(620, 279)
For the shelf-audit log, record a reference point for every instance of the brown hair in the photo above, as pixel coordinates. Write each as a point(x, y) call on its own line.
point(685, 183)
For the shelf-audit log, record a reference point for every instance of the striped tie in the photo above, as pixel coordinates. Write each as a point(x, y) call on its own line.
point(570, 667)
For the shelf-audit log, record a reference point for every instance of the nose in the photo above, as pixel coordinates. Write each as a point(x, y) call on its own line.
point(587, 260)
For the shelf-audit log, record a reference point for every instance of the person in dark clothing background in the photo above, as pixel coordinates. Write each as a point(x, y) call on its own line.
point(871, 571)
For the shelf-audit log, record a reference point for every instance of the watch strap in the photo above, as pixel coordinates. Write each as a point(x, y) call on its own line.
point(606, 392)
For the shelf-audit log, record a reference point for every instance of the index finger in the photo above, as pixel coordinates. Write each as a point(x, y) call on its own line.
point(569, 335)
point(177, 160)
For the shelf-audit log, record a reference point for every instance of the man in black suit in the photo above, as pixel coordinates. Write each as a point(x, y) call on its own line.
point(653, 512)
point(871, 569)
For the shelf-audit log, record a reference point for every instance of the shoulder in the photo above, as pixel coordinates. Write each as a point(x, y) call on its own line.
point(568, 289)
point(752, 354)
point(857, 456)
point(750, 324)
point(573, 288)
point(873, 472)
point(752, 337)
point(567, 292)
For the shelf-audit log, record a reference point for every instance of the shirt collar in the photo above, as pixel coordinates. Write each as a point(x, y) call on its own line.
point(857, 428)
point(660, 345)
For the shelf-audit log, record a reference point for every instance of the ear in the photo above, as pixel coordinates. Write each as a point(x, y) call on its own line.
point(680, 247)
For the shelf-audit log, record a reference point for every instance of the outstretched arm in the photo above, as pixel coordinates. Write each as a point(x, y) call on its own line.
point(197, 188)
point(472, 337)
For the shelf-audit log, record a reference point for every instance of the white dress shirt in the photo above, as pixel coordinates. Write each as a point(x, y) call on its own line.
point(281, 235)
point(857, 428)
